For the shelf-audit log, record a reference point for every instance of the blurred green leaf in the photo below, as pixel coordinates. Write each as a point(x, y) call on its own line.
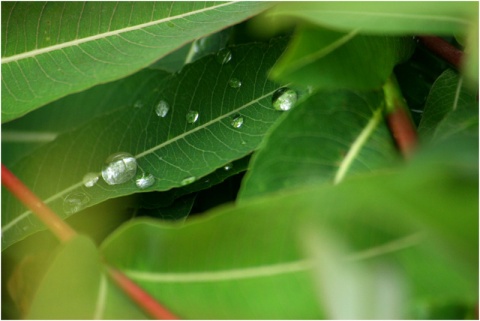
point(253, 261)
point(68, 47)
point(169, 148)
point(447, 94)
point(329, 59)
point(384, 17)
point(330, 135)
point(75, 287)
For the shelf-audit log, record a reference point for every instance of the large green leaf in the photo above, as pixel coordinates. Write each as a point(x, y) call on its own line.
point(52, 49)
point(385, 17)
point(171, 149)
point(330, 135)
point(401, 223)
point(23, 135)
point(448, 94)
point(76, 287)
point(330, 59)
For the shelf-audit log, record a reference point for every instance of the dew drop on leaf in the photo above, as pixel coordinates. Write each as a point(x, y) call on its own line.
point(75, 202)
point(162, 108)
point(237, 121)
point(145, 180)
point(224, 56)
point(284, 99)
point(234, 83)
point(119, 168)
point(188, 180)
point(138, 104)
point(228, 166)
point(192, 116)
point(90, 179)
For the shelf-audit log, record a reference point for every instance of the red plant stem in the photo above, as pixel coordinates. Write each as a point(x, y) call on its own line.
point(403, 131)
point(58, 227)
point(139, 296)
point(442, 49)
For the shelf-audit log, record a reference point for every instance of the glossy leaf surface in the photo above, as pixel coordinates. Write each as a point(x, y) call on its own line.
point(170, 148)
point(327, 137)
point(53, 49)
point(329, 59)
point(267, 270)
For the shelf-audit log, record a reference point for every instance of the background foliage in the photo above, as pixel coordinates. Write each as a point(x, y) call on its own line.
point(254, 213)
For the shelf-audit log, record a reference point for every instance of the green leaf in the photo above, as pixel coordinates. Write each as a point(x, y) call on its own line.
point(23, 135)
point(384, 17)
point(169, 148)
point(391, 221)
point(50, 50)
point(75, 287)
point(330, 59)
point(330, 135)
point(447, 94)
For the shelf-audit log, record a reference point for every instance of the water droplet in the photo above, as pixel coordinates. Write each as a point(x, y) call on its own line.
point(284, 99)
point(162, 108)
point(228, 166)
point(192, 116)
point(145, 180)
point(224, 56)
point(119, 168)
point(138, 104)
point(237, 121)
point(234, 83)
point(188, 180)
point(90, 179)
point(75, 202)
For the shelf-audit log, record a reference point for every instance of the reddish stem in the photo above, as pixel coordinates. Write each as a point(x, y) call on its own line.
point(139, 296)
point(58, 227)
point(442, 49)
point(403, 131)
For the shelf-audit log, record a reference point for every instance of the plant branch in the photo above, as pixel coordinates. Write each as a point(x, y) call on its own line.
point(139, 296)
point(442, 49)
point(398, 118)
point(58, 227)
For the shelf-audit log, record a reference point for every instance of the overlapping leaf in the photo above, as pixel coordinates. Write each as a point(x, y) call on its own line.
point(326, 137)
point(330, 59)
point(169, 148)
point(266, 271)
point(52, 49)
point(380, 17)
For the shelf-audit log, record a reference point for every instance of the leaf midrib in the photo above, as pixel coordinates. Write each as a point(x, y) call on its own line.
point(77, 42)
point(149, 151)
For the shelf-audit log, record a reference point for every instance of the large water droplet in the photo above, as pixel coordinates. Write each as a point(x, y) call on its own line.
point(192, 116)
point(188, 180)
point(138, 104)
point(119, 168)
point(224, 56)
point(75, 202)
point(237, 121)
point(284, 99)
point(234, 83)
point(90, 179)
point(145, 180)
point(162, 108)
point(228, 166)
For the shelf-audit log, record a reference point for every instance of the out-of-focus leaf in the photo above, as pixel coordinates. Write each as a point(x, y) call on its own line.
point(21, 136)
point(266, 272)
point(173, 150)
point(330, 59)
point(330, 135)
point(448, 94)
point(75, 287)
point(53, 49)
point(384, 17)
point(470, 64)
point(193, 51)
